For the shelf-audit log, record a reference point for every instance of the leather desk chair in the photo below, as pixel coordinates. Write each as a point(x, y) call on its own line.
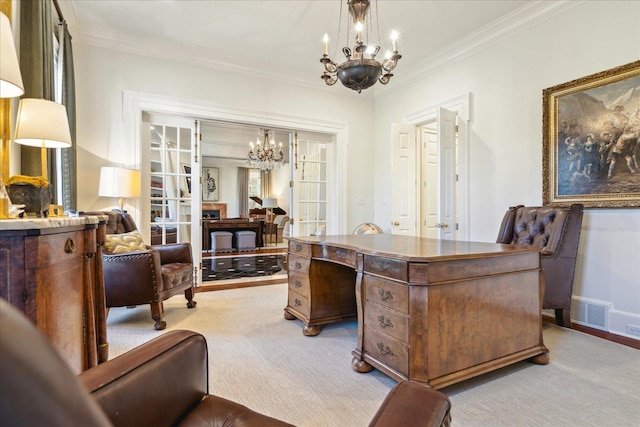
point(162, 383)
point(556, 231)
point(147, 276)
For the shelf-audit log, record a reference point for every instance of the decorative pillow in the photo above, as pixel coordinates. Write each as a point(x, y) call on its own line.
point(124, 242)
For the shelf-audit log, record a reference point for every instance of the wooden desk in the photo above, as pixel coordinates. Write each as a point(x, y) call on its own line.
point(434, 311)
point(231, 226)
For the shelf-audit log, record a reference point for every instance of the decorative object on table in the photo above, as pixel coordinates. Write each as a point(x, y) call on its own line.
point(361, 70)
point(11, 84)
point(42, 123)
point(590, 140)
point(34, 192)
point(265, 155)
point(210, 184)
point(119, 182)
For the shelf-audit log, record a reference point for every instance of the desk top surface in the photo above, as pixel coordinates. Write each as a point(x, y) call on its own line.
point(414, 248)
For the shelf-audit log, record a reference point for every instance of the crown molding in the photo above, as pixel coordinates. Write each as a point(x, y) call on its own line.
point(521, 19)
point(525, 17)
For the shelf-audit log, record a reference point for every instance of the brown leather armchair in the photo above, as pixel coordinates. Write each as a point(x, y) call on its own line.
point(145, 277)
point(163, 382)
point(556, 231)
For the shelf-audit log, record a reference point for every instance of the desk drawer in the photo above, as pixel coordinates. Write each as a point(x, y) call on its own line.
point(389, 322)
point(298, 264)
point(391, 268)
point(387, 350)
point(301, 249)
point(338, 255)
point(299, 283)
point(299, 303)
point(386, 293)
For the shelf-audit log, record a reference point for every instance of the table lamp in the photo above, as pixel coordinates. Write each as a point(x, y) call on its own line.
point(119, 182)
point(269, 203)
point(42, 123)
point(10, 77)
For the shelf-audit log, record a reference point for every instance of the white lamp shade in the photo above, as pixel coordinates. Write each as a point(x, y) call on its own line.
point(270, 202)
point(10, 77)
point(42, 123)
point(119, 182)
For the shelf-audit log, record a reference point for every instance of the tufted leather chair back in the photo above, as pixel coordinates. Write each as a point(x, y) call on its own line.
point(556, 232)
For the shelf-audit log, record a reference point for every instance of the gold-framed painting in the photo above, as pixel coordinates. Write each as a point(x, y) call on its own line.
point(590, 144)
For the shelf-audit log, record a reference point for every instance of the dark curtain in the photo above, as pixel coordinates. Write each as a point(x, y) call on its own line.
point(68, 155)
point(243, 191)
point(36, 65)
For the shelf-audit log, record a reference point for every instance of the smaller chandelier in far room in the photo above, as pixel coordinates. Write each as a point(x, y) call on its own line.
point(361, 70)
point(264, 154)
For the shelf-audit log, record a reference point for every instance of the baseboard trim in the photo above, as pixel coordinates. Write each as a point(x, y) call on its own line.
point(239, 284)
point(629, 342)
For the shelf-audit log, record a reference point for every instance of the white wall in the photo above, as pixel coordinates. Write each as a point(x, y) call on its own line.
point(103, 74)
point(506, 82)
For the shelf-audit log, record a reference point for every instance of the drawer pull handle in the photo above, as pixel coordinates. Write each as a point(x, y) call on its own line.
point(384, 349)
point(297, 302)
point(384, 295)
point(341, 253)
point(70, 246)
point(384, 266)
point(298, 265)
point(384, 322)
point(298, 284)
point(298, 247)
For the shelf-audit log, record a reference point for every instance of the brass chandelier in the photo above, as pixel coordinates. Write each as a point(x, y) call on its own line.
point(361, 69)
point(264, 155)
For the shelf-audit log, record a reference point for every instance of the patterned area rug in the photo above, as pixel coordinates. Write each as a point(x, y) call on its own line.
point(234, 267)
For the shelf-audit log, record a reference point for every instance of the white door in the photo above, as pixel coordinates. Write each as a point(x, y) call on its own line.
point(429, 185)
point(447, 173)
point(312, 184)
point(404, 161)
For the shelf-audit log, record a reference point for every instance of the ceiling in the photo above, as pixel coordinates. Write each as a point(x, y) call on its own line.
point(283, 39)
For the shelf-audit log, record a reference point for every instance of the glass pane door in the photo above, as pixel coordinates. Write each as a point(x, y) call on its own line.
point(310, 188)
point(171, 183)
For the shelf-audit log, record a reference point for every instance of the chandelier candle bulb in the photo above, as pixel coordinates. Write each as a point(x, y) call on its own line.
point(394, 39)
point(325, 39)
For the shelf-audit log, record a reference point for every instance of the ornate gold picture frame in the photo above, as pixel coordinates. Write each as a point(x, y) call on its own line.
point(590, 144)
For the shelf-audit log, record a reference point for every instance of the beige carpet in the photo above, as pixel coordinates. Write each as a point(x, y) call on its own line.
point(258, 358)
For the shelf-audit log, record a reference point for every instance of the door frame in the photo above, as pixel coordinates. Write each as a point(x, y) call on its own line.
point(461, 105)
point(135, 103)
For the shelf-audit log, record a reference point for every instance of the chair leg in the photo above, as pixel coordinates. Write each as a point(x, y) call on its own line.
point(188, 294)
point(157, 311)
point(563, 317)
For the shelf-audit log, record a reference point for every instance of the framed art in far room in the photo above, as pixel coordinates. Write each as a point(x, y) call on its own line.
point(591, 127)
point(210, 185)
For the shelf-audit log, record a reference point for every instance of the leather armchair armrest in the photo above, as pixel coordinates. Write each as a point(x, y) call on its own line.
point(129, 279)
point(157, 383)
point(410, 403)
point(174, 252)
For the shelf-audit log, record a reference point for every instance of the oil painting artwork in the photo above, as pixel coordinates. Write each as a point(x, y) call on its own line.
point(590, 140)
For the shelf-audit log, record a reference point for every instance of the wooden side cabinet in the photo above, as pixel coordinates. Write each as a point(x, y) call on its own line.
point(50, 271)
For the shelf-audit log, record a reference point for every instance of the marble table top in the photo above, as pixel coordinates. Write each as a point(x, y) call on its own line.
point(51, 222)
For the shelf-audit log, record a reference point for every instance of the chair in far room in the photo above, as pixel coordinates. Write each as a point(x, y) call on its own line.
point(281, 222)
point(137, 274)
point(368, 228)
point(556, 232)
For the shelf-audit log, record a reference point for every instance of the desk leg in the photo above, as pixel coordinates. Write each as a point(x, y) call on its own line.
point(358, 364)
